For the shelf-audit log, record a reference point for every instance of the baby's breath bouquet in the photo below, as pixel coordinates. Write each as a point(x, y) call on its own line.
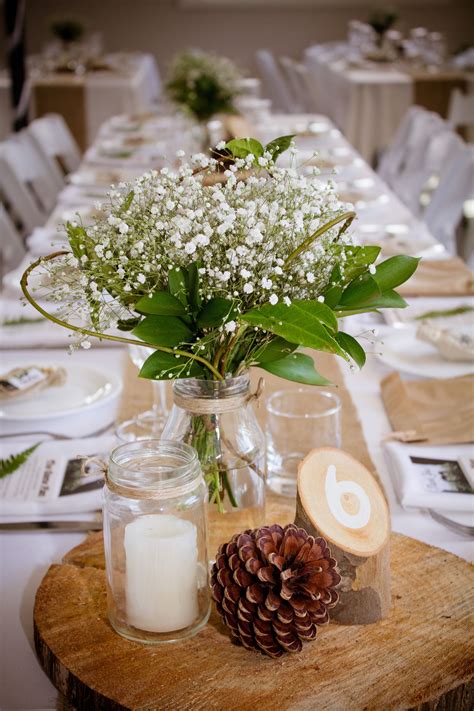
point(203, 84)
point(220, 265)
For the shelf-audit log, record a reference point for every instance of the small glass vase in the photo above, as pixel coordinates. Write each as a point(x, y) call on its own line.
point(218, 420)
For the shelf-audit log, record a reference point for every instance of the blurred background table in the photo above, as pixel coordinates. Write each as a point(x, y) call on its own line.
point(368, 100)
point(123, 83)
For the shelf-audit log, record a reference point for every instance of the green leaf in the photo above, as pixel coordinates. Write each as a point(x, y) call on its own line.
point(79, 240)
point(278, 146)
point(274, 350)
point(164, 366)
point(352, 347)
point(14, 462)
point(162, 303)
point(177, 284)
point(332, 295)
point(193, 286)
point(358, 259)
point(297, 367)
point(167, 331)
point(303, 322)
point(428, 314)
point(242, 147)
point(128, 201)
point(128, 324)
point(216, 312)
point(359, 291)
point(394, 271)
point(388, 300)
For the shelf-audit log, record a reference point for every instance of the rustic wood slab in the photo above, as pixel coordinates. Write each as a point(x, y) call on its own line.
point(420, 657)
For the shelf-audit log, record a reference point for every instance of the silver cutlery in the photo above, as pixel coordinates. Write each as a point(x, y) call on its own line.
point(461, 528)
point(56, 436)
point(52, 526)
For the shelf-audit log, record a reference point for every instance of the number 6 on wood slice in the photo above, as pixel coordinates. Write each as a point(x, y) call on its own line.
point(339, 499)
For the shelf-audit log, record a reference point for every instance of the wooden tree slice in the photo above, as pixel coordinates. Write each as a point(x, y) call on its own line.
point(420, 657)
point(339, 499)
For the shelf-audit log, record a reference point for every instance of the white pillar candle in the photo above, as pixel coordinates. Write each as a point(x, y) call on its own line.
point(161, 573)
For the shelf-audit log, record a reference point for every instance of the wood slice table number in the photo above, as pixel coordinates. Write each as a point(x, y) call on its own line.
point(339, 499)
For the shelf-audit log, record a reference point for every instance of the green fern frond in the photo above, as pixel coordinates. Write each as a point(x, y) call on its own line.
point(14, 462)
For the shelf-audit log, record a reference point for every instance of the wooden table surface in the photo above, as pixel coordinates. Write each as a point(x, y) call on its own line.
point(421, 656)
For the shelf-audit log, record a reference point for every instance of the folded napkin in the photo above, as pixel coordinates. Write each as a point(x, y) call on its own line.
point(431, 411)
point(443, 277)
point(439, 478)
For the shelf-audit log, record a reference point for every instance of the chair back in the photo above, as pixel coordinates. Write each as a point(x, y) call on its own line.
point(274, 84)
point(28, 187)
point(56, 143)
point(12, 248)
point(461, 109)
point(417, 183)
point(411, 137)
point(294, 83)
point(456, 186)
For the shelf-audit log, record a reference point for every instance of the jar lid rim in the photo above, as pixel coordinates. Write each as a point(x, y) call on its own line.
point(127, 479)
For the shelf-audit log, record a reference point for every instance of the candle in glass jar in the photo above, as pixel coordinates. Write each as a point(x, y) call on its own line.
point(161, 573)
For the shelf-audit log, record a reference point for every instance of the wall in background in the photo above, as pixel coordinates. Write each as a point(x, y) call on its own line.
point(165, 26)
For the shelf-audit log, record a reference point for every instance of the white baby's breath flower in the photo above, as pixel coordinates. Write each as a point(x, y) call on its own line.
point(230, 326)
point(273, 299)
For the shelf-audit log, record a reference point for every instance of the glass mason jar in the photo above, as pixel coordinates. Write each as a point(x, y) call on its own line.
point(218, 420)
point(155, 541)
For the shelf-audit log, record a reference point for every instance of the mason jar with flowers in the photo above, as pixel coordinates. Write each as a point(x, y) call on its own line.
point(221, 265)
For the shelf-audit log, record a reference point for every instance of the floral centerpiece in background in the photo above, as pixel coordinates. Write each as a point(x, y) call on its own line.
point(203, 84)
point(219, 278)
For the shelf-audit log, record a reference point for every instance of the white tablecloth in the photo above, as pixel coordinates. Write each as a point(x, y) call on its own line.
point(366, 104)
point(107, 93)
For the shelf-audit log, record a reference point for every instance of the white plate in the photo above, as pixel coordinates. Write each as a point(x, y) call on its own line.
point(88, 400)
point(401, 350)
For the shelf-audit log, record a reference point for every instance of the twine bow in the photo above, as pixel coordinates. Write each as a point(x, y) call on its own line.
point(217, 406)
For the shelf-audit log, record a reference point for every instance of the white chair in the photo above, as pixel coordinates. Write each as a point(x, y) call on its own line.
point(309, 87)
point(456, 186)
point(416, 184)
point(415, 129)
point(274, 84)
point(12, 248)
point(56, 143)
point(461, 109)
point(28, 186)
point(295, 85)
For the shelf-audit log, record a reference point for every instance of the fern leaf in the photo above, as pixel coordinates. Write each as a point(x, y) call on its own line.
point(14, 462)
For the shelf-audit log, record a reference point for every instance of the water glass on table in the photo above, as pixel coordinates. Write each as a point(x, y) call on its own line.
point(148, 424)
point(298, 420)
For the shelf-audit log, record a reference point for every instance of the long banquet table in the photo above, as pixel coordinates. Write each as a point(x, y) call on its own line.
point(26, 556)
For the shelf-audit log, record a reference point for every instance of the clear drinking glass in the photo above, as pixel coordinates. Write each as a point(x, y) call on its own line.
point(148, 424)
point(298, 420)
point(155, 539)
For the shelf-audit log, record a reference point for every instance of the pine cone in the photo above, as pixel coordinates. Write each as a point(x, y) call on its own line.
point(272, 586)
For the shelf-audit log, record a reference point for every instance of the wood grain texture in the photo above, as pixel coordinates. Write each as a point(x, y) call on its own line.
point(420, 657)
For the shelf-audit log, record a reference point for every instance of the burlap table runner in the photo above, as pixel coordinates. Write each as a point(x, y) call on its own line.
point(430, 411)
point(444, 277)
point(64, 95)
